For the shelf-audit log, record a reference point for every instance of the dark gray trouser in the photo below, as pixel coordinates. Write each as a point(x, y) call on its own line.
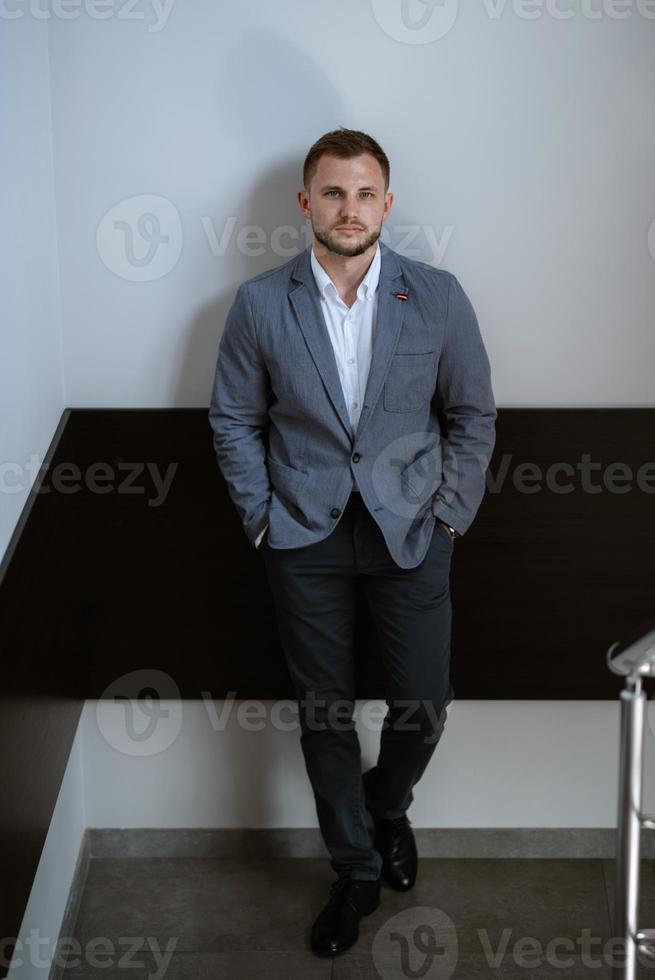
point(314, 595)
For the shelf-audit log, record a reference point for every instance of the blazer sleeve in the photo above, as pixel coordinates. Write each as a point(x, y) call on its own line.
point(238, 416)
point(466, 399)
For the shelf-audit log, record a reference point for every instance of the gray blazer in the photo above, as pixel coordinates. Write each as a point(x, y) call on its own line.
point(281, 429)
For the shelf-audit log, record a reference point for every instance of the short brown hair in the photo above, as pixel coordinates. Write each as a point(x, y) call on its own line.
point(344, 143)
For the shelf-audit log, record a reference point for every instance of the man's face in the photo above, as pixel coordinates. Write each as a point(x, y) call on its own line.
point(346, 203)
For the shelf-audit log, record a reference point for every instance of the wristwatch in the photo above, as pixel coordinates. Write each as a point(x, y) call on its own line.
point(451, 530)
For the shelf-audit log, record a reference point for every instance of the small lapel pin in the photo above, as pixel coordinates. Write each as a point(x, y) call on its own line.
point(401, 295)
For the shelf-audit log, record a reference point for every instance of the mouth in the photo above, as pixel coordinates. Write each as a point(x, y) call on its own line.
point(349, 228)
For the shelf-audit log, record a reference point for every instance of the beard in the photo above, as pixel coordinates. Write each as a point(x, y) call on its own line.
point(354, 244)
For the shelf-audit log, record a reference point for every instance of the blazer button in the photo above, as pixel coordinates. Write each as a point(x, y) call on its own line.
point(335, 512)
point(356, 457)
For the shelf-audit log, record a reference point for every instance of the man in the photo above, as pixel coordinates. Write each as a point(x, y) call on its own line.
point(353, 421)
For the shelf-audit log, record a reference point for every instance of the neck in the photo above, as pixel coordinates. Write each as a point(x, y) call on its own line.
point(345, 271)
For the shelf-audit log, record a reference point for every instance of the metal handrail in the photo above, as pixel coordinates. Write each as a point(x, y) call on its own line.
point(633, 658)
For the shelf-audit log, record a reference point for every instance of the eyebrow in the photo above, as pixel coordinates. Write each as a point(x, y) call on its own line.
point(336, 187)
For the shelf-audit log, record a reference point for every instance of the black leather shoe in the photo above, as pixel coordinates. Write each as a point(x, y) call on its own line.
point(394, 839)
point(337, 925)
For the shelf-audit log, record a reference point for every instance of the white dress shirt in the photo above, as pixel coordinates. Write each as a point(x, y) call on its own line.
point(351, 331)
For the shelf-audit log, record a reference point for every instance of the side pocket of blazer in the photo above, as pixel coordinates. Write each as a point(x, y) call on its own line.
point(287, 481)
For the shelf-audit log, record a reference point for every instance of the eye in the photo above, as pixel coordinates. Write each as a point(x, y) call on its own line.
point(370, 193)
point(331, 192)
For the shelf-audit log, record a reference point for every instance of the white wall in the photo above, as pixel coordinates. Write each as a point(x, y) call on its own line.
point(221, 763)
point(36, 941)
point(524, 146)
point(31, 373)
point(207, 763)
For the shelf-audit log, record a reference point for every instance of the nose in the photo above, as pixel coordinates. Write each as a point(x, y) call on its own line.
point(347, 216)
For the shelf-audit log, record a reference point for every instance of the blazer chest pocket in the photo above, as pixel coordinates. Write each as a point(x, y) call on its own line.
point(411, 380)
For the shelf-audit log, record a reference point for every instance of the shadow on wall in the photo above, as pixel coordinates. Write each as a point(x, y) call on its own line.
point(284, 101)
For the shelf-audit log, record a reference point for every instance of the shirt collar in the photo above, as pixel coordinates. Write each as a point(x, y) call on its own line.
point(366, 288)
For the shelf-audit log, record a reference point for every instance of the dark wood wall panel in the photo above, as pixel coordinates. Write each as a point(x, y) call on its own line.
point(545, 581)
point(116, 581)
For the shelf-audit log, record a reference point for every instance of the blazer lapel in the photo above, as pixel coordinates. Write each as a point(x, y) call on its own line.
point(306, 301)
point(388, 324)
